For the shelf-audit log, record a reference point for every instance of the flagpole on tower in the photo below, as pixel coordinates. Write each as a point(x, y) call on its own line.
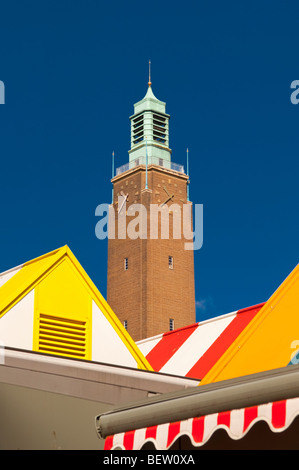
point(112, 172)
point(188, 181)
point(149, 73)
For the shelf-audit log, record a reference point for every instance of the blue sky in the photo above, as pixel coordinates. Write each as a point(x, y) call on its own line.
point(73, 70)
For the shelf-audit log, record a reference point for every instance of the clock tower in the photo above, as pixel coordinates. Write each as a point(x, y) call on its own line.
point(150, 283)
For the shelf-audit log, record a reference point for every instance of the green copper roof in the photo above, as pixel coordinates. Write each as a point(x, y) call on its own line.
point(149, 103)
point(150, 131)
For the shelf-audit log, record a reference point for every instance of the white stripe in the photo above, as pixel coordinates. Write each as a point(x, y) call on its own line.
point(147, 345)
point(107, 345)
point(196, 345)
point(162, 436)
point(237, 423)
point(210, 425)
point(186, 426)
point(292, 410)
point(265, 411)
point(118, 440)
point(139, 438)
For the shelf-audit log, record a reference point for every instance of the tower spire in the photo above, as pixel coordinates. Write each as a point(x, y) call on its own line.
point(149, 73)
point(150, 120)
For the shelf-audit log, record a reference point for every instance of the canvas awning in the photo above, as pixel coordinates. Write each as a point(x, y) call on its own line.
point(234, 405)
point(278, 415)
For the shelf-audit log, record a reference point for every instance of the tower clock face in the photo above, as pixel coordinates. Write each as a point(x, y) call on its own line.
point(169, 195)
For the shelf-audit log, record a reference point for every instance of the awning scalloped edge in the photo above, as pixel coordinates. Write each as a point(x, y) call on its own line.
point(278, 415)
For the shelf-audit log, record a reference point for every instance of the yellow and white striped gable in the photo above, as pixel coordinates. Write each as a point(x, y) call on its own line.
point(50, 305)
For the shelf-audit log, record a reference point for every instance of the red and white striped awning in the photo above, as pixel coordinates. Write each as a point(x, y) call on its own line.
point(279, 415)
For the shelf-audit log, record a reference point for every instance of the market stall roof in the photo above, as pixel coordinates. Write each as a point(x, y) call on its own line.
point(49, 401)
point(269, 341)
point(254, 339)
point(191, 351)
point(234, 405)
point(100, 382)
point(50, 304)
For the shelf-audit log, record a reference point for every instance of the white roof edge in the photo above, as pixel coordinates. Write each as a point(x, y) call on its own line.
point(151, 338)
point(200, 323)
point(204, 322)
point(219, 317)
point(12, 269)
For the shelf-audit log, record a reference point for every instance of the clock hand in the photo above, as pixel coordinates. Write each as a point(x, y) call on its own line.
point(125, 199)
point(170, 197)
point(163, 203)
point(121, 206)
point(166, 191)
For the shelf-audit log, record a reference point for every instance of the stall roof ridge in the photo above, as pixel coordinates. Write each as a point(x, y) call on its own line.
point(202, 322)
point(13, 288)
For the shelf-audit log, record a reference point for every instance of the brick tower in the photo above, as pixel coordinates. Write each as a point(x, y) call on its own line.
point(150, 283)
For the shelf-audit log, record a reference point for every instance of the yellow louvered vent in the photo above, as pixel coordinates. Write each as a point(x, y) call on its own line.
point(62, 336)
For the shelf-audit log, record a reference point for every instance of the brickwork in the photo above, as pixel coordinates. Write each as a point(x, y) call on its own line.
point(148, 294)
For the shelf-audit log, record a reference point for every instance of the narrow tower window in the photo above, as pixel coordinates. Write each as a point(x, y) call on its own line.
point(171, 324)
point(170, 262)
point(126, 264)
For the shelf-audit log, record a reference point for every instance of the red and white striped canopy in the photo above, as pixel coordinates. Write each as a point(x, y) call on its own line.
point(279, 415)
point(192, 351)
